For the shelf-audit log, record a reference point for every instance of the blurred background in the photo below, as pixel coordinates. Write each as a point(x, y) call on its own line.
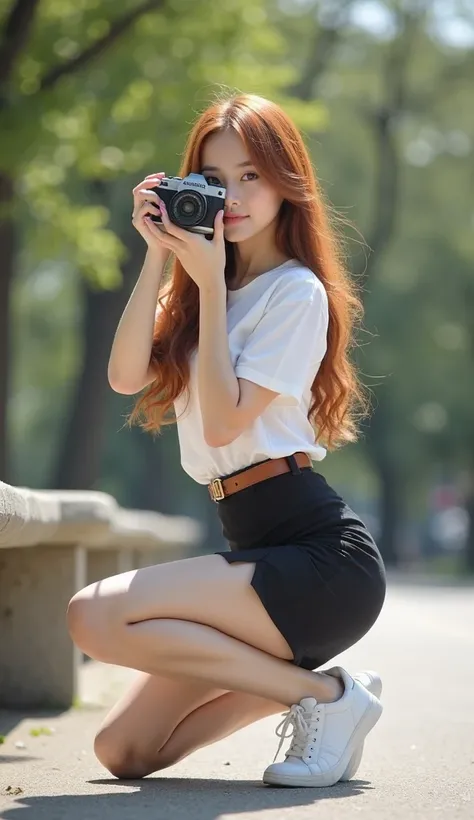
point(95, 95)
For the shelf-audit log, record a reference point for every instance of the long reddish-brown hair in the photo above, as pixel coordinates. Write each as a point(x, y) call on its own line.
point(306, 231)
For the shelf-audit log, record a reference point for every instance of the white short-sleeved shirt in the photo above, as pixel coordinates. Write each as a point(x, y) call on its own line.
point(277, 331)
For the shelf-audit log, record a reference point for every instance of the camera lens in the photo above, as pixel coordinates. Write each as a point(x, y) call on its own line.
point(188, 208)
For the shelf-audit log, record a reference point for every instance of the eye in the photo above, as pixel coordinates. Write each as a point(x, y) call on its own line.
point(216, 181)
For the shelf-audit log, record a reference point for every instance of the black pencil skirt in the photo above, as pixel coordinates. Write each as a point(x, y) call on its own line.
point(318, 573)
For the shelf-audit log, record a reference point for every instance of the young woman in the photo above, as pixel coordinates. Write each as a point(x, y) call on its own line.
point(249, 347)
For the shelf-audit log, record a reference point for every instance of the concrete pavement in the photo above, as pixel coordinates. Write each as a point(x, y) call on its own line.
point(418, 762)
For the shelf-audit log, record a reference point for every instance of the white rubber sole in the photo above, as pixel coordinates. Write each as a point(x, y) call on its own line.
point(329, 778)
point(374, 686)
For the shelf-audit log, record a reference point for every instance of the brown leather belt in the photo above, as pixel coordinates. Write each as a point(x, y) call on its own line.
point(221, 488)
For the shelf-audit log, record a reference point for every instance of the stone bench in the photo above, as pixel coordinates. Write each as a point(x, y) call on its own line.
point(53, 543)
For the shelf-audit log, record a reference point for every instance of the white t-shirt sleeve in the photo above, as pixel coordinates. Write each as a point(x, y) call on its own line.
point(289, 341)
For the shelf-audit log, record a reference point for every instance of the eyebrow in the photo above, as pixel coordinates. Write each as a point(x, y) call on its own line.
point(214, 168)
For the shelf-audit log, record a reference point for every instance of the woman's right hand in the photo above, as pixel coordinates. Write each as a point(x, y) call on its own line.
point(146, 202)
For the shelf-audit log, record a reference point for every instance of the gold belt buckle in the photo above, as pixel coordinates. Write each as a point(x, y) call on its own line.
point(217, 490)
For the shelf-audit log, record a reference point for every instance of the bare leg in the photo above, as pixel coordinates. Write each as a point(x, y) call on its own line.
point(142, 721)
point(213, 721)
point(198, 618)
point(160, 721)
point(189, 650)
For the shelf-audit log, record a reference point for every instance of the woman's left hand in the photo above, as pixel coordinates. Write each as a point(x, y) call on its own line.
point(203, 259)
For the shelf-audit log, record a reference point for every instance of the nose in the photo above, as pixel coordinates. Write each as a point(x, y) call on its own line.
point(231, 198)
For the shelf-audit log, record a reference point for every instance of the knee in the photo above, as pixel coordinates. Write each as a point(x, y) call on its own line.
point(86, 624)
point(119, 760)
point(124, 761)
point(79, 617)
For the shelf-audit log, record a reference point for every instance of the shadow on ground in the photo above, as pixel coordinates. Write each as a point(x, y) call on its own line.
point(175, 798)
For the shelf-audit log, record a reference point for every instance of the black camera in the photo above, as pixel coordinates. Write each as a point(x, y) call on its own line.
point(191, 202)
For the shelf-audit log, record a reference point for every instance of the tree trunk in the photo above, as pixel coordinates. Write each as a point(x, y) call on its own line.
point(153, 490)
point(7, 255)
point(391, 500)
point(390, 510)
point(385, 206)
point(80, 456)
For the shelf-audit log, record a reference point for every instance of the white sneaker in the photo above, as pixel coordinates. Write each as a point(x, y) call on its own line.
point(372, 682)
point(325, 736)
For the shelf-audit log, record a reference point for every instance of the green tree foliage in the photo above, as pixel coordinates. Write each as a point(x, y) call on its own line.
point(125, 110)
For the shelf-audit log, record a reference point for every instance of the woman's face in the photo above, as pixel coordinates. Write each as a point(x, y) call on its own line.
point(225, 162)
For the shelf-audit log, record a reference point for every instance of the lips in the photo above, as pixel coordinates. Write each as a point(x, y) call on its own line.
point(233, 218)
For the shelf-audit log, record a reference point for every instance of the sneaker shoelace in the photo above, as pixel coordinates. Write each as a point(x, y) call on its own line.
point(301, 728)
